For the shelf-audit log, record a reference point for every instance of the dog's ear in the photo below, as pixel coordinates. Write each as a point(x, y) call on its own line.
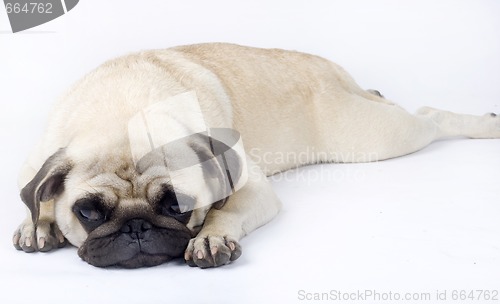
point(219, 161)
point(47, 184)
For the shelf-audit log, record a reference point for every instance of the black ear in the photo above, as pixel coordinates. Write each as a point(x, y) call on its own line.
point(220, 161)
point(47, 184)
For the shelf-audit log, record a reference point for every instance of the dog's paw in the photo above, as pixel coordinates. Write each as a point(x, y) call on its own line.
point(376, 93)
point(212, 251)
point(494, 120)
point(44, 237)
point(489, 127)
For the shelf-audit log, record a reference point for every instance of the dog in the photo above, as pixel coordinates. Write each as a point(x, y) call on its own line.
point(93, 183)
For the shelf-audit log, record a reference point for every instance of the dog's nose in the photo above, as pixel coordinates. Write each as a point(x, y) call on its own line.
point(136, 226)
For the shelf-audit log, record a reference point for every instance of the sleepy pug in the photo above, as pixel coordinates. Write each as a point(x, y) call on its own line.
point(85, 184)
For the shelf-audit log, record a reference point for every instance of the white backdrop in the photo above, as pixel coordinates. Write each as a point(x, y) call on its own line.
point(422, 223)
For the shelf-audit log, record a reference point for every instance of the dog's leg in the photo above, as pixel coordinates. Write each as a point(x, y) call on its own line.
point(249, 208)
point(375, 92)
point(472, 126)
point(45, 235)
point(360, 130)
point(375, 95)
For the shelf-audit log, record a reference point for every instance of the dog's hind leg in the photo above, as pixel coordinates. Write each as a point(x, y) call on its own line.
point(376, 93)
point(360, 130)
point(472, 126)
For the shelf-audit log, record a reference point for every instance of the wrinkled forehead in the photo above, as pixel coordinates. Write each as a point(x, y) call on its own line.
point(118, 179)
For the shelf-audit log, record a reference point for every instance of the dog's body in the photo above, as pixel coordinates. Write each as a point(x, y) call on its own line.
point(282, 103)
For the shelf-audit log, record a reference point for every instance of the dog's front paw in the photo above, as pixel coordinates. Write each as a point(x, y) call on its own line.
point(212, 251)
point(44, 237)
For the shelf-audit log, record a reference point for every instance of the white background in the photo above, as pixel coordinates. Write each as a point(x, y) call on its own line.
point(422, 223)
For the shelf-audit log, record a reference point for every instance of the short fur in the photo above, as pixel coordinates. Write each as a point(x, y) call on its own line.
point(282, 103)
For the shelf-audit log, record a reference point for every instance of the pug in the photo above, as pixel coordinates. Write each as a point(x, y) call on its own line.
point(86, 184)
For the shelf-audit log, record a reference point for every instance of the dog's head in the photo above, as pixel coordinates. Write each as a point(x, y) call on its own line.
point(129, 214)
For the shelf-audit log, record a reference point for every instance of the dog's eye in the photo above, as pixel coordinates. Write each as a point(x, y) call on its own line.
point(176, 209)
point(91, 214)
point(90, 211)
point(176, 205)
